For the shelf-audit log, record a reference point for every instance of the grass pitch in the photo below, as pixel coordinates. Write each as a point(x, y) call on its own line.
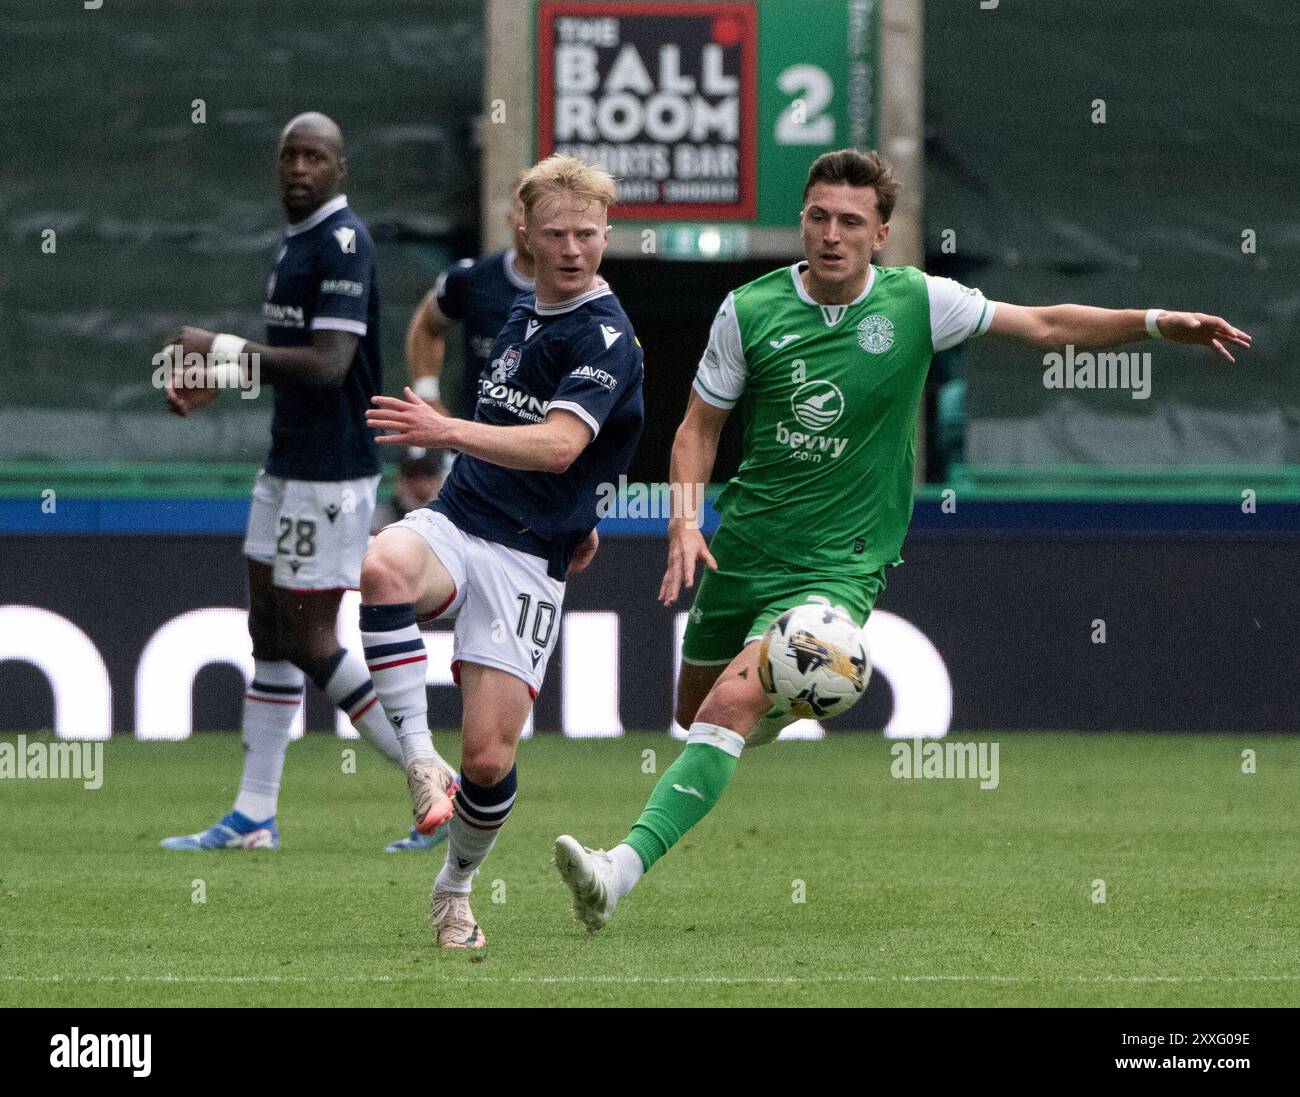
point(915, 892)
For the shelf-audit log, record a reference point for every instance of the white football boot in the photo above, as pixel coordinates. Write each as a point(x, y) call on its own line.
point(769, 727)
point(455, 921)
point(589, 875)
point(432, 788)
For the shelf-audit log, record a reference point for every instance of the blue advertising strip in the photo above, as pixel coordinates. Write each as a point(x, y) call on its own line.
point(124, 516)
point(1005, 519)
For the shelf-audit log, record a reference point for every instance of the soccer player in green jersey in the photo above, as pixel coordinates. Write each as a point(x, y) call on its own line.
point(826, 360)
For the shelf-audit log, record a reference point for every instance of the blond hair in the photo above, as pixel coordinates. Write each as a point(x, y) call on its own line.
point(558, 174)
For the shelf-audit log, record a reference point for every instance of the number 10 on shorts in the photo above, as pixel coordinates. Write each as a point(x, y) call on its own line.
point(543, 620)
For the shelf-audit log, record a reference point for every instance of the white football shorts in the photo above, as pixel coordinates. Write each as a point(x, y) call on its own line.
point(506, 608)
point(313, 533)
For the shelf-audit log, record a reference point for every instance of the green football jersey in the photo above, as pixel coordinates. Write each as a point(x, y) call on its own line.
point(829, 395)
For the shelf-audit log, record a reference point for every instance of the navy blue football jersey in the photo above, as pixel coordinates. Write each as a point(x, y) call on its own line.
point(324, 278)
point(582, 356)
point(479, 294)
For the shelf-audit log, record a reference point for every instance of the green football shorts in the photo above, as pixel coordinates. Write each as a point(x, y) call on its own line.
point(736, 603)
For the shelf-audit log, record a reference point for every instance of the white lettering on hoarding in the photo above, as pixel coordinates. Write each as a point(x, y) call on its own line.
point(590, 675)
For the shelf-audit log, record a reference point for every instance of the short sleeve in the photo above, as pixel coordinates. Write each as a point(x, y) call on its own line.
point(601, 365)
point(450, 289)
point(346, 265)
point(722, 373)
point(957, 312)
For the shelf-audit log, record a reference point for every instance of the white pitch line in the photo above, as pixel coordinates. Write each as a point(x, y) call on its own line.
point(614, 980)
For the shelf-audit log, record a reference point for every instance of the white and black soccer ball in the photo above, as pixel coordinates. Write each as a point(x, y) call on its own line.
point(813, 662)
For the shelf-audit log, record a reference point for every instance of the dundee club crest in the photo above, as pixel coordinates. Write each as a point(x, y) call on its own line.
point(504, 367)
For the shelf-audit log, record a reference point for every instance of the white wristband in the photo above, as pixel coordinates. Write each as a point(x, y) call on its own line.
point(427, 388)
point(1153, 329)
point(225, 370)
point(226, 349)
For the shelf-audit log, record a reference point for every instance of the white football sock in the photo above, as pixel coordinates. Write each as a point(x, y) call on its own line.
point(467, 848)
point(270, 705)
point(481, 812)
point(627, 868)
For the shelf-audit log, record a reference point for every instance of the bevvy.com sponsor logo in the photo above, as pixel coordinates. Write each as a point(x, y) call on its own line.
point(817, 406)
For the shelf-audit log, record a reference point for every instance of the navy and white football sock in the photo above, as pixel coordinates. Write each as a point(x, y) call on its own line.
point(270, 705)
point(480, 814)
point(343, 678)
point(397, 661)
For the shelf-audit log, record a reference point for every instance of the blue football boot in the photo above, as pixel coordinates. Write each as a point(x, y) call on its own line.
point(234, 831)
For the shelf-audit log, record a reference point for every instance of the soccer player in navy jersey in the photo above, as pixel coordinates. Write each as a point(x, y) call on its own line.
point(310, 517)
point(477, 294)
point(559, 413)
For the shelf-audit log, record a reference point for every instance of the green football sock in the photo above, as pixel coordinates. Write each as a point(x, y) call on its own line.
point(687, 791)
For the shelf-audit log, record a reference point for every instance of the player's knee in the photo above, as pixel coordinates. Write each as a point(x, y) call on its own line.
point(734, 703)
point(296, 653)
point(316, 662)
point(486, 766)
point(385, 578)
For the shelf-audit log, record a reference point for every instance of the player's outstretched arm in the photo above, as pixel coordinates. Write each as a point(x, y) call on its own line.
point(551, 446)
point(324, 363)
point(1085, 326)
point(426, 350)
point(695, 448)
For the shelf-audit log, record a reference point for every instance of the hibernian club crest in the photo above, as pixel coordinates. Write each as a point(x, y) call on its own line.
point(876, 334)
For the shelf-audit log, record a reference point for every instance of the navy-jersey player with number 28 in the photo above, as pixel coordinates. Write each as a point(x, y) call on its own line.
point(309, 522)
point(558, 415)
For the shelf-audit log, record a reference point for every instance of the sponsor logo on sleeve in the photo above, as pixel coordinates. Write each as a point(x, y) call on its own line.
point(600, 376)
point(342, 286)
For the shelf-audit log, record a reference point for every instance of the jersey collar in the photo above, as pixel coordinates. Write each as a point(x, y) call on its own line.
point(803, 293)
point(600, 289)
point(513, 276)
point(338, 202)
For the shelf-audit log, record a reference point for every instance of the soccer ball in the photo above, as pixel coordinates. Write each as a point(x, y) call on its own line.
point(813, 662)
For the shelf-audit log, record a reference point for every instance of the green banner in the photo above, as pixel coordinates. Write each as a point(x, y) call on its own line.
point(816, 92)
